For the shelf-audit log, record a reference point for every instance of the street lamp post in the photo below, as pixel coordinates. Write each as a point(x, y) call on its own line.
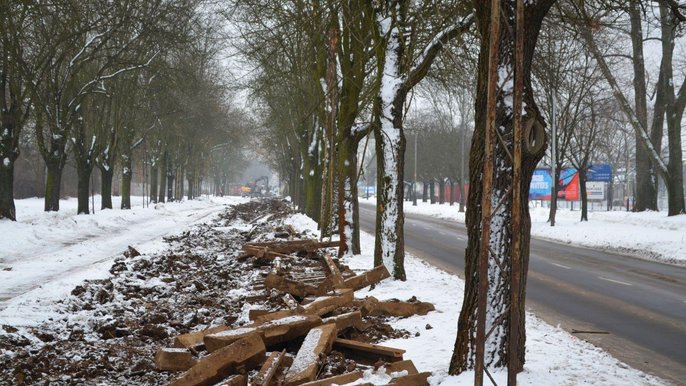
point(414, 180)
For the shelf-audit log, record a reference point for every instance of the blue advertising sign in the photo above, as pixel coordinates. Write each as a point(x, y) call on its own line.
point(600, 173)
point(541, 185)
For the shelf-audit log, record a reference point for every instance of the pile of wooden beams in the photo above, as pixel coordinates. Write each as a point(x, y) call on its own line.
point(287, 346)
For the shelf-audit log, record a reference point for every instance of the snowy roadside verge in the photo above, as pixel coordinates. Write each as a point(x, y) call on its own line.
point(553, 355)
point(647, 235)
point(46, 254)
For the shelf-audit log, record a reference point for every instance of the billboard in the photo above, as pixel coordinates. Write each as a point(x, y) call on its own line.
point(542, 183)
point(599, 173)
point(595, 190)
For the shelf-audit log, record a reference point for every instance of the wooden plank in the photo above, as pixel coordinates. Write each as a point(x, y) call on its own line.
point(367, 278)
point(373, 307)
point(337, 380)
point(246, 353)
point(174, 359)
point(306, 363)
point(334, 272)
point(234, 380)
point(288, 328)
point(292, 287)
point(325, 304)
point(373, 352)
point(195, 339)
point(269, 369)
point(396, 367)
point(214, 342)
point(421, 379)
point(343, 321)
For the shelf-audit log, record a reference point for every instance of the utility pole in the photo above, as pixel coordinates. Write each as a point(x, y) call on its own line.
point(414, 181)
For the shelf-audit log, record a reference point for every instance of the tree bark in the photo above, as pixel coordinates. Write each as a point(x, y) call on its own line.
point(553, 195)
point(83, 172)
point(52, 185)
point(582, 193)
point(170, 186)
point(106, 176)
point(432, 192)
point(441, 191)
point(452, 192)
point(7, 209)
point(646, 178)
point(163, 178)
point(348, 209)
point(675, 111)
point(154, 172)
point(425, 191)
point(126, 176)
point(500, 235)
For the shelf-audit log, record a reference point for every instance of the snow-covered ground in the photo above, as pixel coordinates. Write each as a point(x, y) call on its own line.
point(650, 235)
point(49, 253)
point(553, 356)
point(44, 255)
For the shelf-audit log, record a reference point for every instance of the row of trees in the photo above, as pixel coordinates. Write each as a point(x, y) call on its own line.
point(331, 73)
point(95, 80)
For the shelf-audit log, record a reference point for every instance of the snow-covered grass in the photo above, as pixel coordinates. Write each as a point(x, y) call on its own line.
point(553, 356)
point(649, 235)
point(44, 255)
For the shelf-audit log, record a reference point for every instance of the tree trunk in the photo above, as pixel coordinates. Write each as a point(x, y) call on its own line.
point(126, 176)
point(675, 112)
point(646, 178)
point(52, 185)
point(533, 150)
point(7, 209)
point(191, 181)
point(154, 172)
point(452, 192)
point(582, 193)
point(83, 172)
point(163, 178)
point(441, 191)
point(170, 187)
point(553, 195)
point(106, 176)
point(348, 228)
point(181, 184)
point(432, 192)
point(425, 191)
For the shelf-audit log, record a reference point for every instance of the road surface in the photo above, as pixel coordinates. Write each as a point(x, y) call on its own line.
point(634, 309)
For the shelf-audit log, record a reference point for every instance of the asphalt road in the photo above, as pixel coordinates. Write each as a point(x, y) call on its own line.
point(635, 309)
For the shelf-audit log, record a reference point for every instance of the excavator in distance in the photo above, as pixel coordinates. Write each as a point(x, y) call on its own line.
point(255, 189)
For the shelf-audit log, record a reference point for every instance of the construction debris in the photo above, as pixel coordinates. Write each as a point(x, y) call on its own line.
point(244, 354)
point(174, 359)
point(269, 369)
point(373, 307)
point(306, 363)
point(254, 304)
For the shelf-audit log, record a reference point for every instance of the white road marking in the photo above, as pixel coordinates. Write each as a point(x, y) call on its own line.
point(561, 266)
point(614, 281)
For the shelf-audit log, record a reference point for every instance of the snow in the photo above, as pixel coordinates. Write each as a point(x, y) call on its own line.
point(553, 356)
point(45, 254)
point(647, 235)
point(306, 355)
point(6, 162)
point(50, 253)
